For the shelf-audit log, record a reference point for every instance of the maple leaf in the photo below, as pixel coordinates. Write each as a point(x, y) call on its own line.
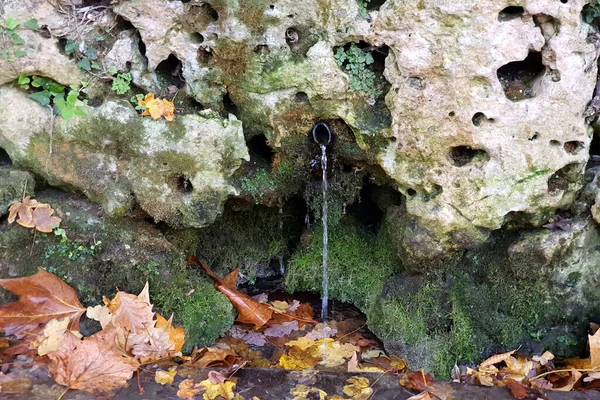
point(157, 108)
point(358, 387)
point(52, 336)
point(281, 330)
point(132, 312)
point(24, 210)
point(165, 377)
point(495, 359)
point(42, 297)
point(152, 345)
point(249, 310)
point(518, 390)
point(42, 219)
point(188, 389)
point(254, 338)
point(211, 356)
point(82, 364)
point(303, 392)
point(176, 334)
point(279, 306)
point(321, 332)
point(219, 389)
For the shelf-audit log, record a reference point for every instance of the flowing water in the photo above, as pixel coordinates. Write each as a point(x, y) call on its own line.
point(325, 296)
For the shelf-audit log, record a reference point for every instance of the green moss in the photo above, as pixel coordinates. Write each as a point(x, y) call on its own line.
point(252, 14)
point(14, 184)
point(359, 263)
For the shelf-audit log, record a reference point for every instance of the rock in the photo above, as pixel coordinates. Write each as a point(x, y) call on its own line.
point(177, 172)
point(468, 153)
point(100, 255)
point(14, 184)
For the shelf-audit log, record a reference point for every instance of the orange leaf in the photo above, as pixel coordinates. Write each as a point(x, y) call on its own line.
point(43, 219)
point(249, 310)
point(23, 209)
point(211, 357)
point(82, 364)
point(132, 312)
point(42, 297)
point(176, 334)
point(157, 108)
point(496, 359)
point(518, 390)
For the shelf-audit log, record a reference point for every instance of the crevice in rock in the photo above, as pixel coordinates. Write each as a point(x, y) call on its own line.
point(510, 13)
point(519, 78)
point(204, 54)
point(258, 147)
point(565, 176)
point(170, 71)
point(197, 38)
point(375, 5)
point(479, 119)
point(184, 185)
point(229, 106)
point(262, 49)
point(555, 143)
point(369, 208)
point(463, 155)
point(210, 12)
point(574, 147)
point(301, 97)
point(5, 160)
point(550, 27)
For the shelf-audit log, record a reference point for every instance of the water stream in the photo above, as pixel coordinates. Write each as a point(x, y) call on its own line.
point(325, 295)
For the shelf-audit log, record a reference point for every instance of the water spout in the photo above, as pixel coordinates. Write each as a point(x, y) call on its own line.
point(321, 133)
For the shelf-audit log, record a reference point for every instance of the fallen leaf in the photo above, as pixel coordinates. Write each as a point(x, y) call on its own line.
point(594, 343)
point(321, 332)
point(176, 334)
point(152, 345)
point(358, 387)
point(420, 396)
point(132, 312)
point(52, 336)
point(279, 306)
point(157, 108)
point(496, 359)
point(518, 390)
point(23, 209)
point(254, 338)
point(42, 297)
point(42, 219)
point(165, 377)
point(573, 378)
point(294, 306)
point(518, 368)
point(188, 389)
point(261, 298)
point(213, 391)
point(249, 310)
point(216, 377)
point(353, 363)
point(545, 358)
point(303, 392)
point(281, 330)
point(210, 357)
point(82, 364)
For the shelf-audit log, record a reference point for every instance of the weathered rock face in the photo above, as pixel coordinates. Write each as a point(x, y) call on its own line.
point(14, 184)
point(487, 110)
point(178, 172)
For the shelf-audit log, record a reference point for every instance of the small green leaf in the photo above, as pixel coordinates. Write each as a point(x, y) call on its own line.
point(16, 39)
point(11, 23)
point(70, 47)
point(91, 53)
point(80, 112)
point(95, 65)
point(43, 97)
point(84, 64)
point(20, 53)
point(112, 70)
point(32, 24)
point(56, 87)
point(23, 81)
point(100, 38)
point(67, 113)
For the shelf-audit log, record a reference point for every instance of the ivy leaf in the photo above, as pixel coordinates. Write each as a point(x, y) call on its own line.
point(43, 97)
point(16, 39)
point(32, 24)
point(84, 64)
point(20, 53)
point(23, 81)
point(70, 47)
point(91, 53)
point(11, 23)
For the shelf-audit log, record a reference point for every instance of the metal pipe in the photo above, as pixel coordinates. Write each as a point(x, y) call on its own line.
point(321, 133)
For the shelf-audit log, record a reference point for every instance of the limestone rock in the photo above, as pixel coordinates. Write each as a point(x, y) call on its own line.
point(14, 184)
point(178, 172)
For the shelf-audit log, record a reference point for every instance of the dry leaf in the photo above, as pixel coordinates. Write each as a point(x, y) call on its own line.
point(281, 330)
point(254, 338)
point(216, 377)
point(82, 364)
point(165, 377)
point(24, 210)
point(353, 363)
point(42, 297)
point(211, 357)
point(303, 392)
point(545, 358)
point(53, 334)
point(176, 334)
point(321, 332)
point(216, 390)
point(518, 390)
point(188, 389)
point(420, 396)
point(294, 306)
point(42, 219)
point(132, 312)
point(249, 310)
point(358, 387)
point(279, 306)
point(496, 359)
point(157, 108)
point(573, 378)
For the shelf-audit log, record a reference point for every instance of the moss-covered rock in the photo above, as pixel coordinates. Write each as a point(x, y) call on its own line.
point(14, 184)
point(98, 255)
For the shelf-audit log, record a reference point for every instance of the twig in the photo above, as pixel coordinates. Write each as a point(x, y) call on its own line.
point(140, 388)
point(51, 136)
point(33, 243)
point(564, 370)
point(354, 331)
point(63, 393)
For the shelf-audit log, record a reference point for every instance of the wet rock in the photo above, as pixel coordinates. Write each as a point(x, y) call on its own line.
point(14, 184)
point(178, 172)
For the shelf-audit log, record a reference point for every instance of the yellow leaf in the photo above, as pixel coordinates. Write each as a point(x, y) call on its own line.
point(176, 334)
point(358, 387)
point(165, 377)
point(279, 306)
point(224, 390)
point(303, 392)
point(302, 343)
point(188, 389)
point(157, 108)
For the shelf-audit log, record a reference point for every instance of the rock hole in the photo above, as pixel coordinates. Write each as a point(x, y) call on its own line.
point(272, 6)
point(170, 71)
point(519, 78)
point(374, 5)
point(262, 49)
point(347, 168)
point(373, 200)
point(463, 155)
point(595, 146)
point(411, 192)
point(292, 36)
point(554, 143)
point(210, 12)
point(5, 160)
point(574, 147)
point(564, 177)
point(301, 97)
point(564, 1)
point(184, 185)
point(535, 136)
point(479, 119)
point(258, 147)
point(451, 114)
point(229, 106)
point(511, 12)
point(204, 54)
point(197, 38)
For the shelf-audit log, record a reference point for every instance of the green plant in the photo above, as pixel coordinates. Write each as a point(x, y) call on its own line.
point(121, 83)
point(591, 11)
point(135, 100)
point(362, 7)
point(87, 59)
point(11, 44)
point(538, 335)
point(49, 92)
point(354, 62)
point(152, 268)
point(567, 340)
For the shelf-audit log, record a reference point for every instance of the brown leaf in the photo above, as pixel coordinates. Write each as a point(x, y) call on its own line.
point(43, 220)
point(132, 312)
point(496, 359)
point(188, 389)
point(42, 297)
point(573, 378)
point(594, 342)
point(211, 357)
point(157, 108)
point(518, 390)
point(249, 310)
point(82, 364)
point(23, 209)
